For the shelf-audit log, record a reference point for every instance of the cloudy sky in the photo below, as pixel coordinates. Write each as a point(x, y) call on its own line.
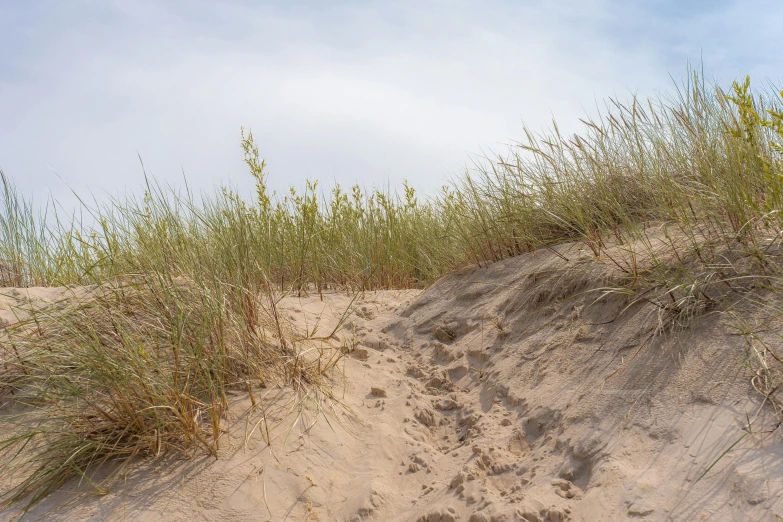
point(349, 91)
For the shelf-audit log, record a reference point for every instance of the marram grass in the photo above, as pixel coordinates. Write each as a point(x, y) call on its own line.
point(680, 195)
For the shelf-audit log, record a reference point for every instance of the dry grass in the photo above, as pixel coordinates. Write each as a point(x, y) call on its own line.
point(139, 368)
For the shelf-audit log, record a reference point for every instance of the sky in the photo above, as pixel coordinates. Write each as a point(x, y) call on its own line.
point(368, 92)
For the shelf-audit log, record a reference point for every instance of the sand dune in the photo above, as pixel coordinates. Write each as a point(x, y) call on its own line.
point(498, 394)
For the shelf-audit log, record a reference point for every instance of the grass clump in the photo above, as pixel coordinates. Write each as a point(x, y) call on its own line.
point(178, 312)
point(699, 162)
point(137, 369)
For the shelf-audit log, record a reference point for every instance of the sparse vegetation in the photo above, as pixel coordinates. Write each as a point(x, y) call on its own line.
point(681, 196)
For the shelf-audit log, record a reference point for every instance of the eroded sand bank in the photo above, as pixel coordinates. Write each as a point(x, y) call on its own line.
point(498, 394)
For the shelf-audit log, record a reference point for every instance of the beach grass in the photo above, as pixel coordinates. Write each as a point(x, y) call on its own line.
point(681, 195)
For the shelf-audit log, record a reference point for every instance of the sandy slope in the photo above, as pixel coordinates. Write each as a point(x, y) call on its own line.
point(497, 394)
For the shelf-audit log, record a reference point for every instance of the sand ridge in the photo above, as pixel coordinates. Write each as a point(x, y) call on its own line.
point(500, 393)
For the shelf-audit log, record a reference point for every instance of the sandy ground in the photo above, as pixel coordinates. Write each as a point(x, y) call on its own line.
point(498, 394)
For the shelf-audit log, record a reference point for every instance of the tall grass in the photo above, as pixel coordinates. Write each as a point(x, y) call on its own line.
point(681, 196)
point(690, 161)
point(141, 363)
point(302, 240)
point(704, 161)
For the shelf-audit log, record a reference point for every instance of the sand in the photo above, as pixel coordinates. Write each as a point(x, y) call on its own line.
point(498, 394)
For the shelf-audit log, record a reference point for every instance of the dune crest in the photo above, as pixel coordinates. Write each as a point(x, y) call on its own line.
point(500, 393)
